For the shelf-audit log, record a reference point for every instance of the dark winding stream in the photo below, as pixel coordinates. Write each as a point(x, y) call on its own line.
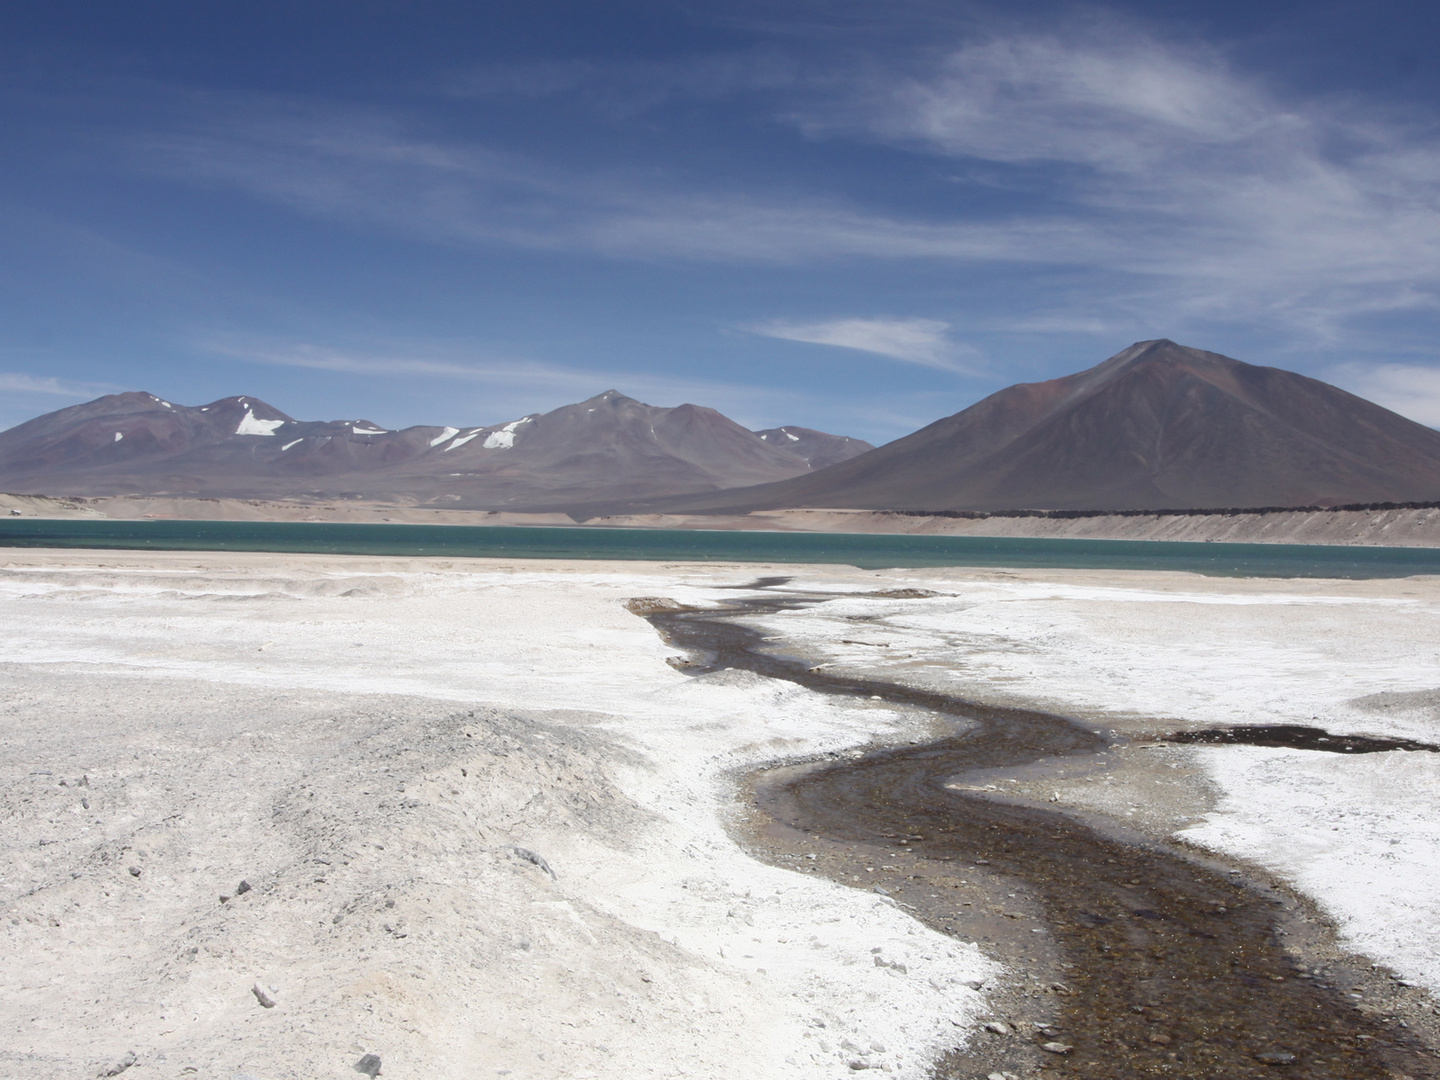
point(1172, 967)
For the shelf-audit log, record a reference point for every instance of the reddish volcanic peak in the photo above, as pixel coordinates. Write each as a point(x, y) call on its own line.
point(1157, 426)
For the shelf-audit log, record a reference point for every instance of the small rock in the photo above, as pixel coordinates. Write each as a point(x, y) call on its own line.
point(1276, 1057)
point(369, 1065)
point(264, 995)
point(1161, 1039)
point(120, 1066)
point(242, 888)
point(134, 871)
point(534, 858)
point(998, 1028)
point(1056, 1047)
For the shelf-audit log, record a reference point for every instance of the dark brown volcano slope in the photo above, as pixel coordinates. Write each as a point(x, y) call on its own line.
point(610, 447)
point(1158, 426)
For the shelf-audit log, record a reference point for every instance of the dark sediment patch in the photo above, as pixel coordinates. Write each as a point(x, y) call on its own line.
point(1297, 737)
point(1171, 965)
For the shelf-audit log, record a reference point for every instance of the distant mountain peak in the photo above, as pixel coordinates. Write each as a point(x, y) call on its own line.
point(605, 448)
point(1157, 426)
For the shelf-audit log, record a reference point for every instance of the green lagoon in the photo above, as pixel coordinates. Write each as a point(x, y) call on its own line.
point(864, 550)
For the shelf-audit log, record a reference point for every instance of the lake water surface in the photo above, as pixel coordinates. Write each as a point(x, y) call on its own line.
point(865, 550)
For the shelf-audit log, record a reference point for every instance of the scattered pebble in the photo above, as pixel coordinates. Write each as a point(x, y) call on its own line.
point(1056, 1047)
point(1276, 1057)
point(369, 1065)
point(242, 888)
point(264, 995)
point(535, 858)
point(134, 871)
point(120, 1066)
point(998, 1028)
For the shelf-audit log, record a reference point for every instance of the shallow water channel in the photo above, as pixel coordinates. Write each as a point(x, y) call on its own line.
point(1169, 964)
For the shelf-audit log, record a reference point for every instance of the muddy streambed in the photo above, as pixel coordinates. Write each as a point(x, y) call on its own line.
point(1157, 960)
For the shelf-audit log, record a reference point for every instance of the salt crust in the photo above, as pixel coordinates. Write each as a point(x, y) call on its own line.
point(1141, 652)
point(719, 965)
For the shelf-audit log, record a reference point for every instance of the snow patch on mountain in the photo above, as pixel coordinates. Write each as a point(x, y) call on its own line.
point(463, 439)
point(251, 425)
point(504, 439)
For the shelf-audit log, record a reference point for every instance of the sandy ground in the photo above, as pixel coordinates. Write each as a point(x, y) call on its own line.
point(390, 753)
point(1388, 528)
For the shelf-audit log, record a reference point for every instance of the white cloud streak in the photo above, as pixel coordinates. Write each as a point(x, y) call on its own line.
point(914, 341)
point(366, 169)
point(1181, 193)
point(1218, 198)
point(528, 386)
point(1411, 390)
point(17, 382)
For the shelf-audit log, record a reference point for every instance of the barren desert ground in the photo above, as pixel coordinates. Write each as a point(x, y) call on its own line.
point(268, 814)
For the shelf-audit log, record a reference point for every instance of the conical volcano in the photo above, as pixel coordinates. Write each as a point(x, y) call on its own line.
point(1157, 426)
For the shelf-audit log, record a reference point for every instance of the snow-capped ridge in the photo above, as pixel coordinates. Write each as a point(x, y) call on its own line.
point(610, 447)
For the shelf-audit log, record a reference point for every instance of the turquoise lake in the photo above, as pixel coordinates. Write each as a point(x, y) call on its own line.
point(865, 550)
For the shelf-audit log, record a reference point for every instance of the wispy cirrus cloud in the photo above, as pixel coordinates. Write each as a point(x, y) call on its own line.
point(1212, 196)
point(19, 382)
point(913, 341)
point(370, 169)
point(1177, 192)
point(516, 386)
point(1411, 390)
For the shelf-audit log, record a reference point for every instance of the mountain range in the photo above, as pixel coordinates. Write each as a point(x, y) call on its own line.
point(610, 447)
point(1157, 426)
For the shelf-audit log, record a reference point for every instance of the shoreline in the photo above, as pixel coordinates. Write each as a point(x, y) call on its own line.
point(1399, 527)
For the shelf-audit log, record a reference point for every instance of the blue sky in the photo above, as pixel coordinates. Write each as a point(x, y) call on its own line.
point(857, 216)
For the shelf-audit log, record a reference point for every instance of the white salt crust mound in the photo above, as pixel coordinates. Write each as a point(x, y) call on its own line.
point(478, 817)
